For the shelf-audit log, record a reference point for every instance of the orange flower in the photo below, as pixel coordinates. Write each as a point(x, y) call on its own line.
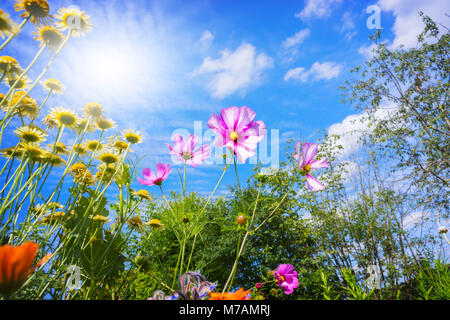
point(15, 265)
point(237, 295)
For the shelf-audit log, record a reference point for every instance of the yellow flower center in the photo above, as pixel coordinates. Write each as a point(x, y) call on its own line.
point(234, 136)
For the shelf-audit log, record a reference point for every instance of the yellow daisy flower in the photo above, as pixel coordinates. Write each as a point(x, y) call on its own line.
point(53, 217)
point(154, 223)
point(77, 168)
point(100, 218)
point(63, 117)
point(60, 148)
point(32, 150)
point(86, 178)
point(7, 26)
point(108, 157)
point(84, 125)
point(30, 135)
point(78, 22)
point(9, 65)
point(37, 10)
point(105, 124)
point(54, 85)
point(142, 194)
point(94, 110)
point(135, 223)
point(49, 36)
point(54, 205)
point(80, 149)
point(12, 152)
point(94, 145)
point(132, 136)
point(53, 159)
point(120, 145)
point(22, 83)
point(28, 107)
point(105, 173)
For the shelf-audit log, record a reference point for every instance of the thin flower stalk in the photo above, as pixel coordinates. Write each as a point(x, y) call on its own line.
point(25, 72)
point(241, 247)
point(44, 71)
point(249, 231)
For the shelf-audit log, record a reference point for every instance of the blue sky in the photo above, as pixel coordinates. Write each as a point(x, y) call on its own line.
point(158, 66)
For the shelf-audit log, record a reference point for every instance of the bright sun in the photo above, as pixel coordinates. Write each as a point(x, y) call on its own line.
point(109, 71)
point(112, 69)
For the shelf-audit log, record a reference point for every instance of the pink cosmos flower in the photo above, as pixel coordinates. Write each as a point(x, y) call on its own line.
point(287, 277)
point(150, 179)
point(306, 163)
point(185, 150)
point(236, 129)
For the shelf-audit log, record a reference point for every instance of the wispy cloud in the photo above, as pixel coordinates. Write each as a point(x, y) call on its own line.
point(290, 46)
point(317, 8)
point(318, 71)
point(206, 40)
point(234, 70)
point(296, 39)
point(347, 26)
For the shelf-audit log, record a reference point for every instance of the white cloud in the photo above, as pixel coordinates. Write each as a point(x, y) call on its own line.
point(408, 24)
point(414, 218)
point(296, 73)
point(353, 127)
point(318, 71)
point(296, 39)
point(317, 8)
point(206, 39)
point(348, 26)
point(234, 70)
point(367, 51)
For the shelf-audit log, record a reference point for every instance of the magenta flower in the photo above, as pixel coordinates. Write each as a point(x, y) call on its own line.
point(185, 150)
point(150, 179)
point(237, 131)
point(306, 163)
point(287, 277)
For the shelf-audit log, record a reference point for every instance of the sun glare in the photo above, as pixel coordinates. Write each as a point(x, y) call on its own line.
point(111, 69)
point(111, 72)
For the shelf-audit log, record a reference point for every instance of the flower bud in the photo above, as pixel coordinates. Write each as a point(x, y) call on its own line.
point(241, 220)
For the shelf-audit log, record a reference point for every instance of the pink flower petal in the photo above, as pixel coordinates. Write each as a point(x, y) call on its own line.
point(145, 182)
point(318, 164)
point(313, 184)
point(160, 169)
point(309, 151)
point(190, 144)
point(200, 155)
point(256, 132)
point(243, 153)
point(230, 117)
point(246, 117)
point(148, 174)
point(166, 172)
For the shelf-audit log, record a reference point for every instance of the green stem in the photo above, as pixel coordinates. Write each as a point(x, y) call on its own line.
point(239, 185)
point(241, 247)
